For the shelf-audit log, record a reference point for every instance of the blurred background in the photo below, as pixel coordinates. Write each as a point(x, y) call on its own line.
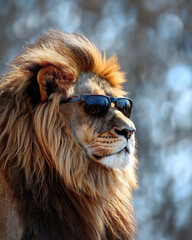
point(153, 41)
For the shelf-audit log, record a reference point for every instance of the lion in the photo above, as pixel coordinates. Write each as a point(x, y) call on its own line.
point(67, 144)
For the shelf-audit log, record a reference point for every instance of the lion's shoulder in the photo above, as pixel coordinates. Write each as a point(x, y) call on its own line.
point(10, 227)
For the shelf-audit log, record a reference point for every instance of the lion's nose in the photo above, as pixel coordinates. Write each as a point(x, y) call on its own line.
point(125, 132)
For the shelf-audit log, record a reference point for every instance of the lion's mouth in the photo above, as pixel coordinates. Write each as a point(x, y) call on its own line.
point(107, 155)
point(97, 157)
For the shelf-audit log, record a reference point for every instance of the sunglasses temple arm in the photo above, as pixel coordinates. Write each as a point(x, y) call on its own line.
point(75, 99)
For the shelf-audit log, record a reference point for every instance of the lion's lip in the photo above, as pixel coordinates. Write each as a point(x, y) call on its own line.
point(107, 155)
point(97, 157)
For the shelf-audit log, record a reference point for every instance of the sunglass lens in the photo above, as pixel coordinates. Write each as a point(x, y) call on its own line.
point(124, 105)
point(96, 105)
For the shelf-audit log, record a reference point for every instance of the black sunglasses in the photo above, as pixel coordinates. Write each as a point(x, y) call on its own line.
point(98, 105)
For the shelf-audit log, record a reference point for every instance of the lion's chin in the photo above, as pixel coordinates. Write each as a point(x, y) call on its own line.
point(119, 160)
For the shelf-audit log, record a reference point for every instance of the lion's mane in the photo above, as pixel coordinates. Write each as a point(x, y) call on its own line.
point(59, 198)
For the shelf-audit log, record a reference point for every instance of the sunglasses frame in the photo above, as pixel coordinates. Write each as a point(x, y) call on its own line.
point(83, 99)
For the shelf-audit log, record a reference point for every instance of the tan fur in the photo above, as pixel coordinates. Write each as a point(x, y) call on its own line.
point(43, 139)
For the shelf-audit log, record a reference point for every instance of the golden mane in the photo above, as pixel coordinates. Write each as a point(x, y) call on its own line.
point(59, 198)
point(52, 49)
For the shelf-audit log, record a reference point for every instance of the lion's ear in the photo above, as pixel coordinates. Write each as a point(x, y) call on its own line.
point(52, 79)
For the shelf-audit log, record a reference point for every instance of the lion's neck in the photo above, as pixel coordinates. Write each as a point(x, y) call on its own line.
point(51, 211)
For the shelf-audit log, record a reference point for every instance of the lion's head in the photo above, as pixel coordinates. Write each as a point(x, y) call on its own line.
point(55, 143)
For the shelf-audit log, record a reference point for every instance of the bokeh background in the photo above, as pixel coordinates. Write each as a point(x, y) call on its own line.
point(153, 41)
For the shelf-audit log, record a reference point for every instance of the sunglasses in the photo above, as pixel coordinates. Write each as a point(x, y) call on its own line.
point(99, 105)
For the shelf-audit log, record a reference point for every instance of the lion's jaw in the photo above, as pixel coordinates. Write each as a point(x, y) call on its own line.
point(122, 159)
